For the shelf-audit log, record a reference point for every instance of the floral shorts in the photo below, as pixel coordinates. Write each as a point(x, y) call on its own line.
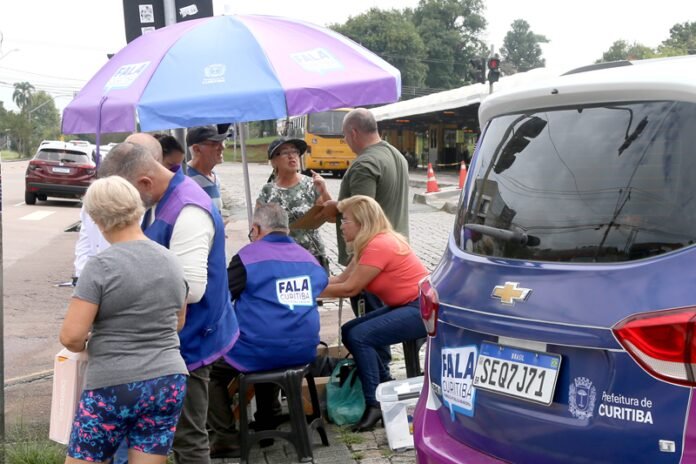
point(144, 413)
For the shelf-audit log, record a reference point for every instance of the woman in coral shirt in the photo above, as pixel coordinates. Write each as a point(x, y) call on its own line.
point(383, 263)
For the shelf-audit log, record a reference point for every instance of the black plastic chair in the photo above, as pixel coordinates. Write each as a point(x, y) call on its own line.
point(412, 358)
point(290, 380)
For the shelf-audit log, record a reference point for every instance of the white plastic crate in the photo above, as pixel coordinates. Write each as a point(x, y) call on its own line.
point(398, 400)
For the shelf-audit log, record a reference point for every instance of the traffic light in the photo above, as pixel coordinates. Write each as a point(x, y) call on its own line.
point(493, 69)
point(478, 70)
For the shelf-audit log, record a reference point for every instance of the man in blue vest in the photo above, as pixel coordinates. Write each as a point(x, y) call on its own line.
point(274, 283)
point(181, 217)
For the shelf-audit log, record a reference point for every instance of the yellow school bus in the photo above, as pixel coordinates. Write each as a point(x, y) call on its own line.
point(323, 132)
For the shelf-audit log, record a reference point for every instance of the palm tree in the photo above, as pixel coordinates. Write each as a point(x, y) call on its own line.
point(22, 94)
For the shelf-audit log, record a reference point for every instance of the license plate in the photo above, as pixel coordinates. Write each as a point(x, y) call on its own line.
point(524, 374)
point(61, 170)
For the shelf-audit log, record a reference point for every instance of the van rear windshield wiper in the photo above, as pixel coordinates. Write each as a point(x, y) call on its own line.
point(517, 236)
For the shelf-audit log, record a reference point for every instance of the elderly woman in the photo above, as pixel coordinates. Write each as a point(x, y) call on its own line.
point(125, 311)
point(384, 264)
point(295, 192)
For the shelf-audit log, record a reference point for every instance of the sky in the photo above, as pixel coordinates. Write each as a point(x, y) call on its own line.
point(58, 45)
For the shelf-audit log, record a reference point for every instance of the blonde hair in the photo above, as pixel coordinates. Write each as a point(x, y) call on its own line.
point(113, 203)
point(369, 215)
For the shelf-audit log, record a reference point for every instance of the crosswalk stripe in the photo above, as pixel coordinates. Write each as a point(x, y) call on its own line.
point(37, 215)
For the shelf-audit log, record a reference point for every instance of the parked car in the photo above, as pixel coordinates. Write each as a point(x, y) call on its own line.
point(59, 169)
point(562, 314)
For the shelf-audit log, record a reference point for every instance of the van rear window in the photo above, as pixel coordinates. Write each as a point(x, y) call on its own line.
point(606, 183)
point(62, 156)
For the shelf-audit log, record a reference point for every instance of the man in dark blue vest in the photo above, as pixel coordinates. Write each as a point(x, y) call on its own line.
point(181, 217)
point(274, 283)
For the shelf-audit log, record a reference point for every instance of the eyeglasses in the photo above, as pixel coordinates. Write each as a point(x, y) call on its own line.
point(288, 153)
point(252, 233)
point(346, 221)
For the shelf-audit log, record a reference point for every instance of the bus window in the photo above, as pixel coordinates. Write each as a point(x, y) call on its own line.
point(327, 151)
point(327, 123)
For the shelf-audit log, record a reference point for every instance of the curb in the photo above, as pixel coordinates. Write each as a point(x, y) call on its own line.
point(446, 199)
point(422, 184)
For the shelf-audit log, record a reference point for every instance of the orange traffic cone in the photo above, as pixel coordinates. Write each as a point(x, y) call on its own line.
point(431, 184)
point(462, 175)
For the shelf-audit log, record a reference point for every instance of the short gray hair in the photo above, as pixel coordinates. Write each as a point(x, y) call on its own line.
point(128, 160)
point(113, 203)
point(271, 217)
point(361, 119)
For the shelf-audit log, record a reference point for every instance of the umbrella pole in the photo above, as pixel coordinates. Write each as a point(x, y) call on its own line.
point(245, 168)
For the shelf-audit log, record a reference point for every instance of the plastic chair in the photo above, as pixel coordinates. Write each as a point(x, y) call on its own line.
point(412, 358)
point(290, 380)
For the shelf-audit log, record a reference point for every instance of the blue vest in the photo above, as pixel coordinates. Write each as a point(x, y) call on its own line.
point(211, 327)
point(277, 311)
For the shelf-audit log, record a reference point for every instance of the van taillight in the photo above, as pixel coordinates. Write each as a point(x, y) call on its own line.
point(429, 305)
point(663, 343)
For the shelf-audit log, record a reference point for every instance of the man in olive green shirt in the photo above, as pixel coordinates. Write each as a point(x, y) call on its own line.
point(380, 171)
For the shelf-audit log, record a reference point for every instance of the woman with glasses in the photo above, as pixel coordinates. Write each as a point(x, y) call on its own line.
point(295, 192)
point(384, 264)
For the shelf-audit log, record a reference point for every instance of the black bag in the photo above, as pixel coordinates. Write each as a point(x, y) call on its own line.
point(323, 365)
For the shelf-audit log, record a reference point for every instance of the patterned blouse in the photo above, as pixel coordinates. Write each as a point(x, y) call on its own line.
point(296, 201)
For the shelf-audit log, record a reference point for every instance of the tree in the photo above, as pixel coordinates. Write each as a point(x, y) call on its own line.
point(392, 36)
point(43, 118)
point(22, 94)
point(450, 30)
point(18, 130)
point(37, 120)
point(622, 50)
point(521, 49)
point(682, 40)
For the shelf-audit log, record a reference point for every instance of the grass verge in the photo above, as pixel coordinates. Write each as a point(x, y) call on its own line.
point(7, 155)
point(30, 445)
point(255, 153)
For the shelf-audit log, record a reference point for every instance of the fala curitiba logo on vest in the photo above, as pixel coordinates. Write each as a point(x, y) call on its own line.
point(295, 291)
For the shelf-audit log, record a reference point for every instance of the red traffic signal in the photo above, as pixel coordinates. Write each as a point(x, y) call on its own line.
point(493, 64)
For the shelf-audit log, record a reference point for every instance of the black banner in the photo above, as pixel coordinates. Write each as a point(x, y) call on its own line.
point(143, 16)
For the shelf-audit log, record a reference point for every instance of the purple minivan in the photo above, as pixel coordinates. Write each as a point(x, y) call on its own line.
point(562, 316)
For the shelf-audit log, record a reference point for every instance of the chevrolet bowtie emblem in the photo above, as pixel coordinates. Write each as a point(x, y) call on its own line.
point(510, 293)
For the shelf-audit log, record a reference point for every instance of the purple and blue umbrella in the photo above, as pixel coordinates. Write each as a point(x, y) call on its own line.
point(227, 69)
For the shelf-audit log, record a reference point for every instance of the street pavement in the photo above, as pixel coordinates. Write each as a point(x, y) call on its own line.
point(430, 227)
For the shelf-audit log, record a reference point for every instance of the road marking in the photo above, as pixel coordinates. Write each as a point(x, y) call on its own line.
point(20, 204)
point(28, 378)
point(37, 215)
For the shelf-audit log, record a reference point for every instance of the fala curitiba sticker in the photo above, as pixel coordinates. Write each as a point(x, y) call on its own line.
point(458, 391)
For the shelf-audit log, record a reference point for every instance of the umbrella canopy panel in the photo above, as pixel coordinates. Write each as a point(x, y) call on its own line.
point(229, 69)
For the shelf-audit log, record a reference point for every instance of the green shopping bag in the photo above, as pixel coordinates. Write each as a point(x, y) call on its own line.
point(344, 397)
